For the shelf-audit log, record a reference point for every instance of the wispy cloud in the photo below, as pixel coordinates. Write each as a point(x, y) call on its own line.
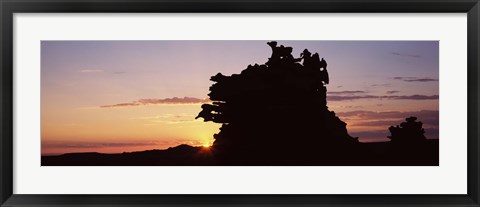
point(406, 55)
point(383, 84)
point(344, 98)
point(414, 97)
point(164, 116)
point(179, 121)
point(392, 92)
point(91, 71)
point(380, 118)
point(121, 105)
point(96, 144)
point(422, 80)
point(415, 79)
point(386, 114)
point(346, 92)
point(168, 119)
point(174, 100)
point(351, 107)
point(354, 97)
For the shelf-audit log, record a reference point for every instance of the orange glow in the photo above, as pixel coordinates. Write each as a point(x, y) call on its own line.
point(110, 130)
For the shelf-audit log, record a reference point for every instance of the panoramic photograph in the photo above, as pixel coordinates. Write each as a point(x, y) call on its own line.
point(239, 103)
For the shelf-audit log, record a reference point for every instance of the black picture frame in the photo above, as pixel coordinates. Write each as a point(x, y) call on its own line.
point(9, 7)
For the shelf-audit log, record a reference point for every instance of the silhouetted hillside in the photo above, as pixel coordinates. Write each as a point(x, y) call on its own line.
point(179, 155)
point(371, 154)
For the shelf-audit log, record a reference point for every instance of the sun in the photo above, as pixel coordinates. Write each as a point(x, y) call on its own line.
point(206, 143)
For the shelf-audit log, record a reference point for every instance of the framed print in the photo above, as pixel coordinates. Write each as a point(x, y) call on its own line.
point(195, 103)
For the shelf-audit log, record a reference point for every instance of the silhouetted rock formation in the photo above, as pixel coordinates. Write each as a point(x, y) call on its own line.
point(409, 146)
point(408, 132)
point(274, 108)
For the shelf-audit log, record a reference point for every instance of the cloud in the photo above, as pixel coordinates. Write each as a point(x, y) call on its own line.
point(91, 71)
point(384, 85)
point(181, 121)
point(406, 55)
point(164, 116)
point(96, 144)
point(362, 114)
point(411, 97)
point(120, 105)
point(118, 72)
point(168, 119)
point(346, 92)
point(174, 100)
point(415, 79)
point(422, 80)
point(380, 122)
point(343, 98)
point(351, 107)
point(392, 92)
point(414, 97)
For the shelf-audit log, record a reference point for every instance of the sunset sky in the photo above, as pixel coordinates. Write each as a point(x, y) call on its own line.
point(121, 96)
